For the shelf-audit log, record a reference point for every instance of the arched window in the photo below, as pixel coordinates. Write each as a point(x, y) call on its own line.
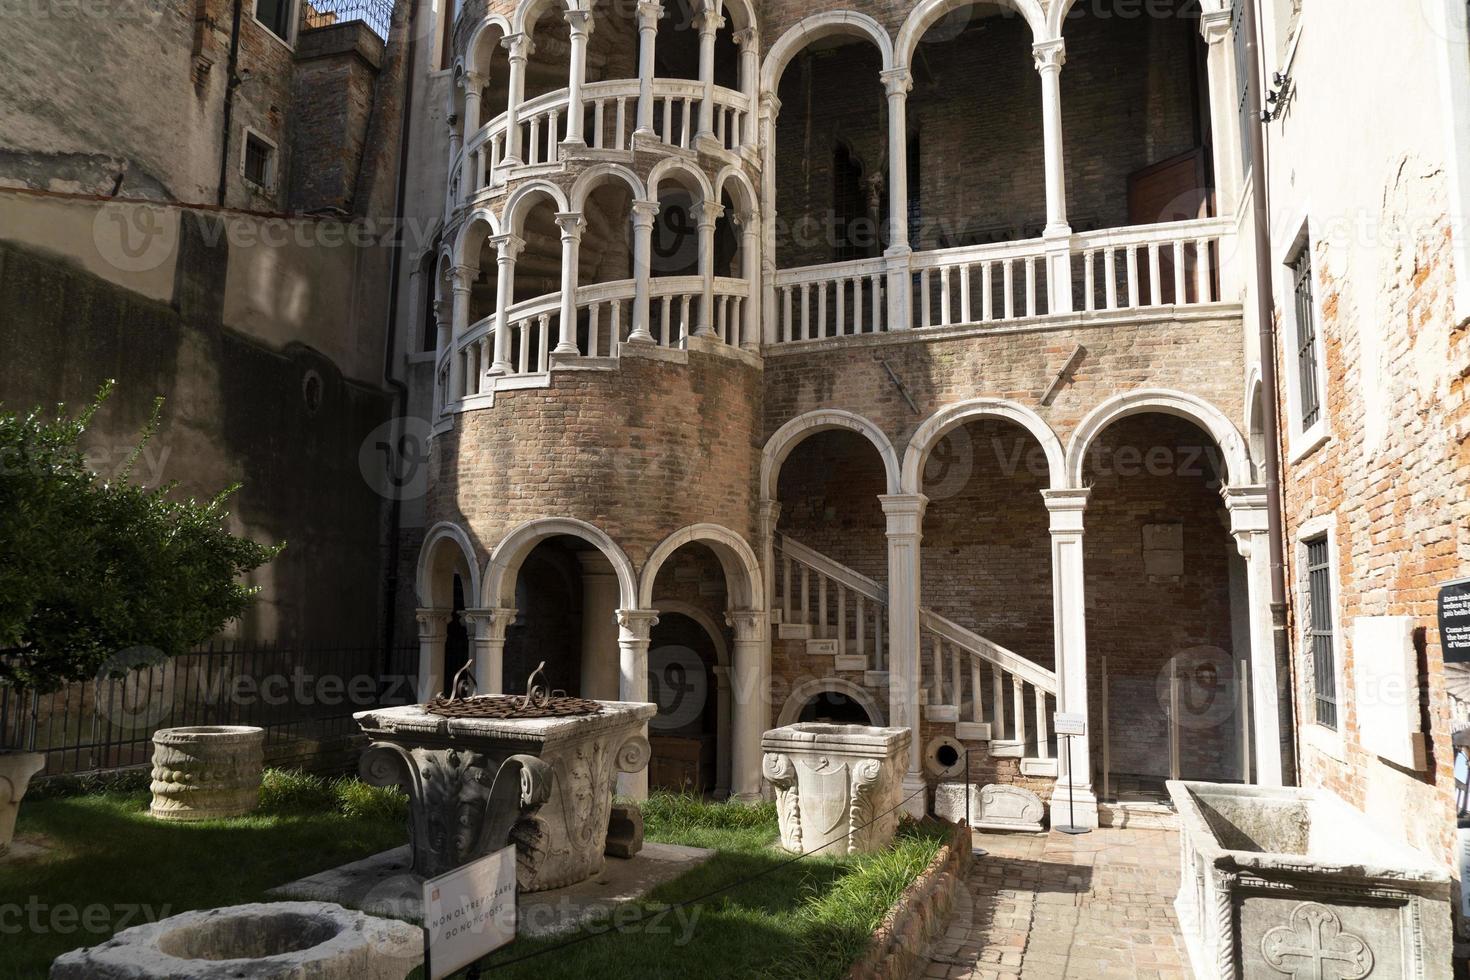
point(849, 207)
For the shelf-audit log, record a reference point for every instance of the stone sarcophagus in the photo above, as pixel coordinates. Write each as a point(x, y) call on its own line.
point(836, 783)
point(1295, 883)
point(475, 784)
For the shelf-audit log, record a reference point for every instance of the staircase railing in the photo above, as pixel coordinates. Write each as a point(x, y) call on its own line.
point(990, 692)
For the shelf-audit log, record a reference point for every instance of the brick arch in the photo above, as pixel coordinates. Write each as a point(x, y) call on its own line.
point(794, 432)
point(743, 581)
point(505, 561)
point(816, 27)
point(1167, 402)
point(947, 418)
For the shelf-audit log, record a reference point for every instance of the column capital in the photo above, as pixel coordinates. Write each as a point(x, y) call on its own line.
point(770, 510)
point(1050, 55)
point(748, 624)
point(644, 212)
point(579, 21)
point(1066, 507)
point(1214, 25)
point(771, 105)
point(489, 622)
point(905, 512)
point(896, 81)
point(463, 275)
point(442, 311)
point(636, 624)
point(432, 622)
point(472, 82)
point(507, 246)
point(709, 213)
point(745, 39)
point(571, 224)
point(709, 21)
point(1248, 513)
point(520, 46)
point(649, 12)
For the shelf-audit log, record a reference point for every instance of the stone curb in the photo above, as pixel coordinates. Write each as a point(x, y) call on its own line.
point(899, 946)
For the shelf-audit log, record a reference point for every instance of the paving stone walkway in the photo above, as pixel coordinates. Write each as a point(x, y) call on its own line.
point(1042, 906)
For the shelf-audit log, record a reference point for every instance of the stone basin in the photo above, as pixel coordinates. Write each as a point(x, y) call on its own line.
point(1295, 883)
point(206, 772)
point(836, 784)
point(476, 784)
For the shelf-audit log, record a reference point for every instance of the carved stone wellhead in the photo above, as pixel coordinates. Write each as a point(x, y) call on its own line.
point(834, 782)
point(544, 784)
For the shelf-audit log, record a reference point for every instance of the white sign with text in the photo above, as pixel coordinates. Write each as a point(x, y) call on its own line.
point(469, 913)
point(1069, 723)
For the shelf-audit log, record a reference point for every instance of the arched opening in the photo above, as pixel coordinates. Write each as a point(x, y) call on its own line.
point(834, 708)
point(605, 255)
point(674, 269)
point(1135, 110)
point(488, 59)
point(1164, 584)
point(831, 97)
point(550, 602)
point(447, 580)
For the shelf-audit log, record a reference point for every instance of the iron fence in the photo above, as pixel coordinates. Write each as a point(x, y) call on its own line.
point(294, 694)
point(377, 14)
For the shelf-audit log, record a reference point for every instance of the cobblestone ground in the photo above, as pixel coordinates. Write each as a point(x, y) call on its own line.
point(1041, 906)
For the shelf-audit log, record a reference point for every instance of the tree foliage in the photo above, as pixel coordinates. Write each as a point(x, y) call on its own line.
point(91, 567)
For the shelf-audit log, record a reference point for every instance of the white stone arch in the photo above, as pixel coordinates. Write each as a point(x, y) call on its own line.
point(597, 175)
point(505, 561)
point(678, 607)
point(524, 198)
point(1057, 16)
point(816, 27)
point(1255, 394)
point(925, 13)
point(488, 22)
point(740, 13)
point(794, 432)
point(447, 550)
point(804, 692)
point(1168, 402)
point(470, 238)
point(743, 581)
point(527, 12)
point(951, 416)
point(669, 165)
point(746, 198)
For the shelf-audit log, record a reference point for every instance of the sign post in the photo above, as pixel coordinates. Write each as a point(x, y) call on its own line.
point(469, 913)
point(1067, 725)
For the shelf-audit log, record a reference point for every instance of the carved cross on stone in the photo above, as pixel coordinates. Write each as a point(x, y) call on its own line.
point(1314, 947)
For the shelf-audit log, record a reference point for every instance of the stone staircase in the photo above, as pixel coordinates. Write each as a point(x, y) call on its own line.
point(991, 699)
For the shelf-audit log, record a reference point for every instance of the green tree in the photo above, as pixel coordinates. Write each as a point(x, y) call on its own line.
point(92, 567)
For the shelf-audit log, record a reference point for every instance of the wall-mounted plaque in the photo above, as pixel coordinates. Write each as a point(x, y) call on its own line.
point(1454, 621)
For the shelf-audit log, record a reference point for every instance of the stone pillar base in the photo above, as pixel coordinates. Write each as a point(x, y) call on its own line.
point(1062, 809)
point(916, 806)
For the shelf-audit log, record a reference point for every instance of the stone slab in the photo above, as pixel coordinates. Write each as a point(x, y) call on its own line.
point(995, 806)
point(384, 885)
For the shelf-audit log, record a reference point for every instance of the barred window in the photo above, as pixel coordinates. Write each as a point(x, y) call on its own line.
point(257, 161)
point(1309, 402)
point(1320, 636)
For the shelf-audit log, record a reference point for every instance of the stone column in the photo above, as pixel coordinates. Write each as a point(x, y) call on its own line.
point(707, 214)
point(580, 24)
point(507, 247)
point(649, 11)
point(643, 215)
point(489, 625)
point(709, 22)
point(468, 172)
point(769, 513)
point(750, 80)
point(752, 681)
point(897, 82)
point(770, 108)
point(750, 271)
point(1247, 506)
point(433, 624)
point(455, 142)
point(571, 224)
point(1069, 616)
point(634, 627)
point(520, 47)
point(905, 513)
point(600, 650)
point(464, 277)
point(1050, 56)
point(1214, 26)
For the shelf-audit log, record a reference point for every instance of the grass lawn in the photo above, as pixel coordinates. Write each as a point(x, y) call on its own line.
point(108, 866)
point(804, 920)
